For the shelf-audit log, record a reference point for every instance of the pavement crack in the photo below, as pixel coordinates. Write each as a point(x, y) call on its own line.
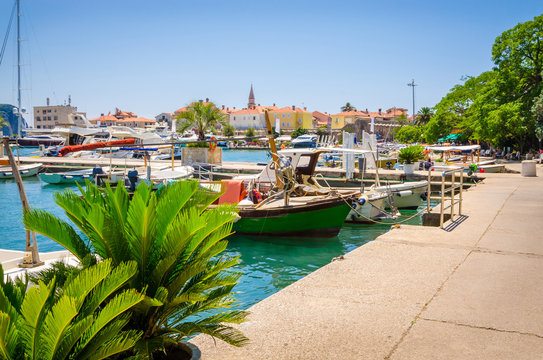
point(482, 327)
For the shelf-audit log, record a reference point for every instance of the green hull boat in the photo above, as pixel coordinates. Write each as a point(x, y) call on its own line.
point(310, 216)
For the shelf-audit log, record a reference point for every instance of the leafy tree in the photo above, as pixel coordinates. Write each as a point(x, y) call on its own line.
point(299, 131)
point(347, 107)
point(498, 105)
point(409, 134)
point(176, 242)
point(228, 130)
point(202, 117)
point(424, 115)
point(82, 320)
point(402, 119)
point(250, 132)
point(2, 122)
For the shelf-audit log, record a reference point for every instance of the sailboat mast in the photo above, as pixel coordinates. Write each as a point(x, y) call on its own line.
point(19, 112)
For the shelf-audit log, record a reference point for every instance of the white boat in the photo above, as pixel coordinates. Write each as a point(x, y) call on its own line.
point(408, 195)
point(369, 206)
point(304, 141)
point(24, 170)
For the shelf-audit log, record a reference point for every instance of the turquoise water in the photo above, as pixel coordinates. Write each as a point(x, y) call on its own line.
point(254, 156)
point(268, 264)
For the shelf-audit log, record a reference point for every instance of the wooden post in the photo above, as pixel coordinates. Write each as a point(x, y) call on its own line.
point(273, 148)
point(32, 257)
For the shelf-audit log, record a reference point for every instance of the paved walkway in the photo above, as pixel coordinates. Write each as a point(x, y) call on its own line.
point(474, 291)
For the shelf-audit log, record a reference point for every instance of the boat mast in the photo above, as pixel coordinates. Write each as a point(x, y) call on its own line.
point(19, 111)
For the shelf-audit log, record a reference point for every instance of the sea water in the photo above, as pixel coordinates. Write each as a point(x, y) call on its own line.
point(268, 264)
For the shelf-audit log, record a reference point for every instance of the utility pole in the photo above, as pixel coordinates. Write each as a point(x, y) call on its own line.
point(412, 85)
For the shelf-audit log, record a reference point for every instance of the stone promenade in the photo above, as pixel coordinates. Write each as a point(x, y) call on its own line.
point(471, 291)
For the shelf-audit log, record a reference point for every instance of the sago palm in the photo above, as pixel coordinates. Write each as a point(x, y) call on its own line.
point(82, 320)
point(176, 242)
point(200, 116)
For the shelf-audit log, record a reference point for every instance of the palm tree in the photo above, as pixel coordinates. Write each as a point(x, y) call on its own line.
point(347, 107)
point(81, 320)
point(176, 242)
point(200, 116)
point(424, 115)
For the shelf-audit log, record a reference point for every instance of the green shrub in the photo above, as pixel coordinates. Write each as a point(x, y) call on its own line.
point(411, 154)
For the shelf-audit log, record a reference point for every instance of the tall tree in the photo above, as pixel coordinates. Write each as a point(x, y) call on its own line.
point(347, 107)
point(200, 116)
point(424, 115)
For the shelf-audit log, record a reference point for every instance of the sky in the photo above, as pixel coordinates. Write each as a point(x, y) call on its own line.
point(150, 57)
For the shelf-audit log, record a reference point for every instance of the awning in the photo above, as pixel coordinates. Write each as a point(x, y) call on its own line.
point(453, 136)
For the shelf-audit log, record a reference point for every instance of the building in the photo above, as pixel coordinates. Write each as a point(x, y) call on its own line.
point(123, 118)
point(342, 119)
point(165, 118)
point(48, 117)
point(291, 118)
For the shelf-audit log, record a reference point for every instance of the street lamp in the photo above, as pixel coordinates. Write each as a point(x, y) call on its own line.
point(412, 85)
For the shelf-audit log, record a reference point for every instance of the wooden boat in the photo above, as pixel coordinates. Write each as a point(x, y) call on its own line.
point(69, 177)
point(24, 170)
point(304, 216)
point(309, 216)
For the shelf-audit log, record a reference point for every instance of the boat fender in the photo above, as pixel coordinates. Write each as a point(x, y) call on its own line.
point(133, 179)
point(404, 193)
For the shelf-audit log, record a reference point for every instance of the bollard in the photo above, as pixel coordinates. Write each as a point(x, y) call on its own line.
point(528, 168)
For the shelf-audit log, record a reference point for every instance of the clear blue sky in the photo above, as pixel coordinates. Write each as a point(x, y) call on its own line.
point(157, 56)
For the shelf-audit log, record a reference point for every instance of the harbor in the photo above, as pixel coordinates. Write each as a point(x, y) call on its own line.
point(183, 182)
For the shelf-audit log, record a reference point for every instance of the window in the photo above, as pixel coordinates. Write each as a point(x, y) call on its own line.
point(299, 121)
point(49, 110)
point(288, 115)
point(38, 119)
point(39, 127)
point(283, 124)
point(283, 116)
point(254, 117)
point(49, 118)
point(44, 111)
point(56, 117)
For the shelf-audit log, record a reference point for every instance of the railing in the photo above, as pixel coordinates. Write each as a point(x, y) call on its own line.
point(451, 198)
point(203, 173)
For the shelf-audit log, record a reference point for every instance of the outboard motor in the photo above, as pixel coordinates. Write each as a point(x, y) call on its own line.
point(96, 172)
point(133, 179)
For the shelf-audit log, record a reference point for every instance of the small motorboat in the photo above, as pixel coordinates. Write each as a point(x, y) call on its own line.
point(407, 195)
point(304, 141)
point(69, 177)
point(24, 170)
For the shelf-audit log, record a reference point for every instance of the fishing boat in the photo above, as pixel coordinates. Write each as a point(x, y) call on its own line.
point(25, 171)
point(462, 160)
point(69, 177)
point(284, 213)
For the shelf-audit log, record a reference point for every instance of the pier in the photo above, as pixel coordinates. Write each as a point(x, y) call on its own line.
point(472, 290)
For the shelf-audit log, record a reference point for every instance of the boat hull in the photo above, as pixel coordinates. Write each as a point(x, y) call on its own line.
point(25, 171)
point(363, 214)
point(318, 220)
point(407, 195)
point(63, 178)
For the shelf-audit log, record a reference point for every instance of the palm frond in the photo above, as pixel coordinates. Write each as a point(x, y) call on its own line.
point(9, 343)
point(70, 337)
point(119, 343)
point(33, 311)
point(54, 326)
point(87, 280)
point(46, 224)
point(115, 307)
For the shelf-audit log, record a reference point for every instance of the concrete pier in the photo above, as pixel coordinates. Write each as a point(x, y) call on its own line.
point(471, 291)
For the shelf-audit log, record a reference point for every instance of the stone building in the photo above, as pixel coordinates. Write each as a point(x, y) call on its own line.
point(49, 116)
